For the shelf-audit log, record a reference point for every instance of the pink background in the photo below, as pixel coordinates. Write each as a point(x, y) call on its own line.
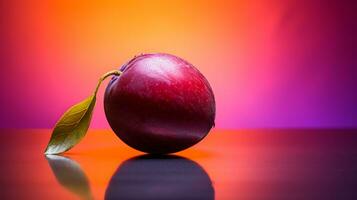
point(270, 63)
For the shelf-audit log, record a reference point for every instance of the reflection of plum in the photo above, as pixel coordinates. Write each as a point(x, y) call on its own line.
point(164, 177)
point(159, 104)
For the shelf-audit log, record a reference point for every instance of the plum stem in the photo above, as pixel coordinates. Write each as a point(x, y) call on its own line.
point(104, 76)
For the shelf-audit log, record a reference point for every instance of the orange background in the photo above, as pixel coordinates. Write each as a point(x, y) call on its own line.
point(272, 63)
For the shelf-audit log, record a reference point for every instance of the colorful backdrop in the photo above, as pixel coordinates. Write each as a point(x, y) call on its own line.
point(270, 63)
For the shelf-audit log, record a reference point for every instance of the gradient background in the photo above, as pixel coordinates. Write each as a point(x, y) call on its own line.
point(270, 63)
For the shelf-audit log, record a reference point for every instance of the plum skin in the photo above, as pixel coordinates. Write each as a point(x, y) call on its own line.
point(160, 104)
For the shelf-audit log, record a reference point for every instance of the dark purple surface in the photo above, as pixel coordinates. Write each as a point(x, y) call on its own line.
point(261, 164)
point(160, 104)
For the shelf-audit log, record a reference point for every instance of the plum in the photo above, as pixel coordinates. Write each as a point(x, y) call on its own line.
point(159, 104)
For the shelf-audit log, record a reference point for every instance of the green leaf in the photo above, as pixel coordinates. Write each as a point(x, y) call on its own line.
point(70, 175)
point(71, 127)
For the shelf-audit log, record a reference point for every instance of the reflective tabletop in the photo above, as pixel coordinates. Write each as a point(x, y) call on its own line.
point(227, 164)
